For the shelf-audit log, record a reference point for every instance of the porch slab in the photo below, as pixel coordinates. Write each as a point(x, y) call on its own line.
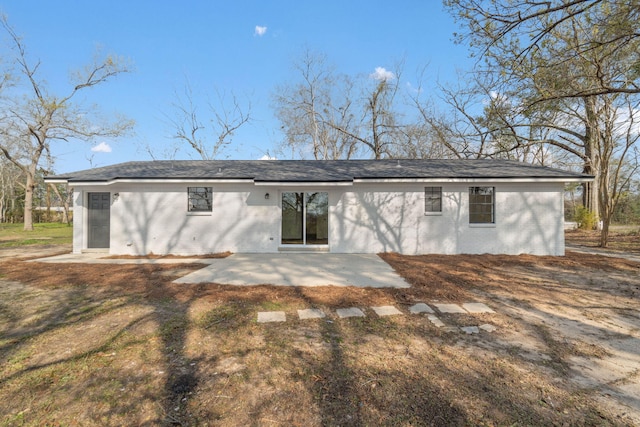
point(299, 269)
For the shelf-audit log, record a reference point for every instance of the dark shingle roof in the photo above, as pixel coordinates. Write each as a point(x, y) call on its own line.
point(318, 170)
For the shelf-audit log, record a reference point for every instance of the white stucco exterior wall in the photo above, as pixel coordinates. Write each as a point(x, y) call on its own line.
point(528, 219)
point(363, 218)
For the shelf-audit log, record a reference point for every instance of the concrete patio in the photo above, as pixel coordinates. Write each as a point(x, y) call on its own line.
point(299, 269)
point(281, 269)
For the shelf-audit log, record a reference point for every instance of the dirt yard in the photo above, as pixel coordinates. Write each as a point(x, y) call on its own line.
point(122, 345)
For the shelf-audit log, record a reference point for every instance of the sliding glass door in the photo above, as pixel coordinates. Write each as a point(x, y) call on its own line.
point(317, 218)
point(292, 218)
point(305, 218)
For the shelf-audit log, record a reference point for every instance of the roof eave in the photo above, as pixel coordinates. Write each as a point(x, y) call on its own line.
point(87, 182)
point(477, 179)
point(56, 180)
point(340, 183)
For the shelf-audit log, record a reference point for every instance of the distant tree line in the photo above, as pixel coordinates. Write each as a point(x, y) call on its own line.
point(51, 203)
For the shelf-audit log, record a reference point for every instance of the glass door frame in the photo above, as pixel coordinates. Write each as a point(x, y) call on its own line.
point(303, 243)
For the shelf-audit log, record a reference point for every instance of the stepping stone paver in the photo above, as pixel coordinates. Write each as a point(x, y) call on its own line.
point(420, 308)
point(477, 307)
point(450, 308)
point(436, 322)
point(386, 310)
point(389, 310)
point(311, 313)
point(349, 312)
point(271, 316)
point(487, 327)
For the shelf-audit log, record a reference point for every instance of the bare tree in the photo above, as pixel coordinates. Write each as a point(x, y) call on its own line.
point(314, 110)
point(326, 115)
point(380, 129)
point(208, 133)
point(380, 116)
point(617, 155)
point(32, 119)
point(434, 129)
point(481, 123)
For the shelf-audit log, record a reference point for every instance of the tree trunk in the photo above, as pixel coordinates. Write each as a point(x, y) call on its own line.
point(606, 207)
point(590, 197)
point(604, 233)
point(28, 201)
point(66, 202)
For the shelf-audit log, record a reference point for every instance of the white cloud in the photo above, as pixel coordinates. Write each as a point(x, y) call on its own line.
point(103, 147)
point(260, 31)
point(267, 157)
point(382, 74)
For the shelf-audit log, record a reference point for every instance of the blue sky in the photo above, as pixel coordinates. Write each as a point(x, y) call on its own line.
point(214, 44)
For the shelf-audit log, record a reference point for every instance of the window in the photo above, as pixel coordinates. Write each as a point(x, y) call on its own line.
point(200, 199)
point(432, 199)
point(481, 205)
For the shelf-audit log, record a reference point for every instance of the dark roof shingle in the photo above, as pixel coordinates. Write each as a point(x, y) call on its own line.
point(317, 170)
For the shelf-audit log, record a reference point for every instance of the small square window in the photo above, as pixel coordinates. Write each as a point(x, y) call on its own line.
point(432, 199)
point(200, 199)
point(481, 205)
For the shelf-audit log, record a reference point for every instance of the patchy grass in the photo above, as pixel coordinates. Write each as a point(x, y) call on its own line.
point(12, 235)
point(123, 345)
point(621, 238)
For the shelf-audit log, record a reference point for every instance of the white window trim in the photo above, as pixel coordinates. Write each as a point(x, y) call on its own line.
point(198, 212)
point(482, 225)
point(493, 207)
point(432, 213)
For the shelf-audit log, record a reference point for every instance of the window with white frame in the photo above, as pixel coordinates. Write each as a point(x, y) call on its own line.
point(432, 200)
point(200, 199)
point(481, 205)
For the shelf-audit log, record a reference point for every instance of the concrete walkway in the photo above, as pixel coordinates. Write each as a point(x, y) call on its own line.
point(299, 269)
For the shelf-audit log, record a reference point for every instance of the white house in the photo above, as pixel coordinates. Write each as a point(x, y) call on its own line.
point(341, 206)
